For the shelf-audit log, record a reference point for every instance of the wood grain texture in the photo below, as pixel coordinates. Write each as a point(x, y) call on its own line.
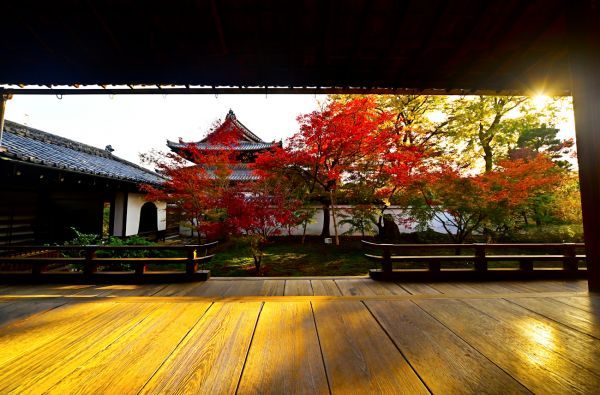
point(359, 357)
point(212, 288)
point(285, 357)
point(18, 310)
point(245, 288)
point(298, 288)
point(570, 344)
point(211, 357)
point(45, 366)
point(180, 289)
point(446, 363)
point(325, 288)
point(536, 366)
point(573, 317)
point(27, 335)
point(368, 287)
point(419, 288)
point(590, 303)
point(139, 353)
point(272, 288)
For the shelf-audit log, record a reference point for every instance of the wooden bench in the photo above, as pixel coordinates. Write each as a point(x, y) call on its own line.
point(479, 256)
point(195, 255)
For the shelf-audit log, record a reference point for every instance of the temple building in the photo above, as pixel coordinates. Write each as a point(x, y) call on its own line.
point(50, 184)
point(246, 144)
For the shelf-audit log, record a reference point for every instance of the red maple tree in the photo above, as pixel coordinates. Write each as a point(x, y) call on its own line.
point(195, 185)
point(332, 144)
point(465, 203)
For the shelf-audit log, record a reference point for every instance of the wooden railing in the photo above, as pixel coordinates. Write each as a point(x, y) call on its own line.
point(86, 257)
point(477, 256)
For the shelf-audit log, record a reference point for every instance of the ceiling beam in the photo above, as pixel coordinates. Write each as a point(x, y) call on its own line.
point(256, 91)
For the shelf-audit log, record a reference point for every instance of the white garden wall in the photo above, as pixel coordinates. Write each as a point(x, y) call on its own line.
point(314, 228)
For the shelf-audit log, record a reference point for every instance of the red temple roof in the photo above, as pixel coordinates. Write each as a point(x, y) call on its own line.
point(245, 140)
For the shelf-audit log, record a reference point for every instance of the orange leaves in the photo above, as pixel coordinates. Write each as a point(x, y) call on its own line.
point(512, 184)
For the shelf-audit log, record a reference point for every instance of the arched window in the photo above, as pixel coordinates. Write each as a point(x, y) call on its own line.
point(148, 218)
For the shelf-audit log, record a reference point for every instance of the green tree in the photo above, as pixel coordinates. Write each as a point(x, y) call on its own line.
point(545, 140)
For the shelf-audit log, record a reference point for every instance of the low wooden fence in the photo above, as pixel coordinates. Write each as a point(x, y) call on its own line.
point(86, 257)
point(477, 255)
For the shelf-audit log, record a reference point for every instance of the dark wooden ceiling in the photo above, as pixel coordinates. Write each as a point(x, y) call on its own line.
point(472, 45)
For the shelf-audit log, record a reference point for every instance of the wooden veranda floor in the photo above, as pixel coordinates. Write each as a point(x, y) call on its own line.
point(316, 335)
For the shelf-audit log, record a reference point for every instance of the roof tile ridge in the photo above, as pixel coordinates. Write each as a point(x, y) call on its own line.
point(40, 135)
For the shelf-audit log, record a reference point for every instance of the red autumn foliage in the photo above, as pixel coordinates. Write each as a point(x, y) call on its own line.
point(332, 144)
point(463, 203)
point(214, 205)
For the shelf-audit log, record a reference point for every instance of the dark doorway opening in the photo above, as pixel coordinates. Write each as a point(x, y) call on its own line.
point(148, 218)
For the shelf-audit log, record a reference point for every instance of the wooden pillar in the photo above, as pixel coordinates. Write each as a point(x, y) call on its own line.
point(585, 85)
point(3, 98)
point(480, 259)
point(191, 266)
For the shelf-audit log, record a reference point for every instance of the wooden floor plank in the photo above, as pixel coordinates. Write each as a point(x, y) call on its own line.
point(325, 288)
point(446, 363)
point(454, 288)
point(419, 288)
point(359, 357)
point(245, 288)
point(179, 289)
point(211, 357)
point(590, 303)
point(43, 368)
point(285, 357)
point(211, 288)
point(573, 317)
point(25, 336)
point(537, 367)
point(298, 288)
point(45, 289)
point(122, 290)
point(139, 353)
point(368, 287)
point(552, 286)
point(20, 309)
point(570, 344)
point(272, 288)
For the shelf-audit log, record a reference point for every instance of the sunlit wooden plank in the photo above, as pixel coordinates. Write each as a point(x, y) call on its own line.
point(359, 356)
point(46, 366)
point(210, 359)
point(446, 363)
point(516, 351)
point(285, 356)
point(128, 363)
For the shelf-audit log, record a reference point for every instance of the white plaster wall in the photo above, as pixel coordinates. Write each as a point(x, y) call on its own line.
point(135, 201)
point(161, 215)
point(314, 228)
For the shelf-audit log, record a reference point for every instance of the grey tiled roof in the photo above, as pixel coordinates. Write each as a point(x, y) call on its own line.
point(239, 172)
point(242, 175)
point(30, 145)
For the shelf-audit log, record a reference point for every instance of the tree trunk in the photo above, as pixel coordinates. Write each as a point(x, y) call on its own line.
point(257, 260)
point(304, 231)
point(488, 157)
point(335, 229)
point(326, 220)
